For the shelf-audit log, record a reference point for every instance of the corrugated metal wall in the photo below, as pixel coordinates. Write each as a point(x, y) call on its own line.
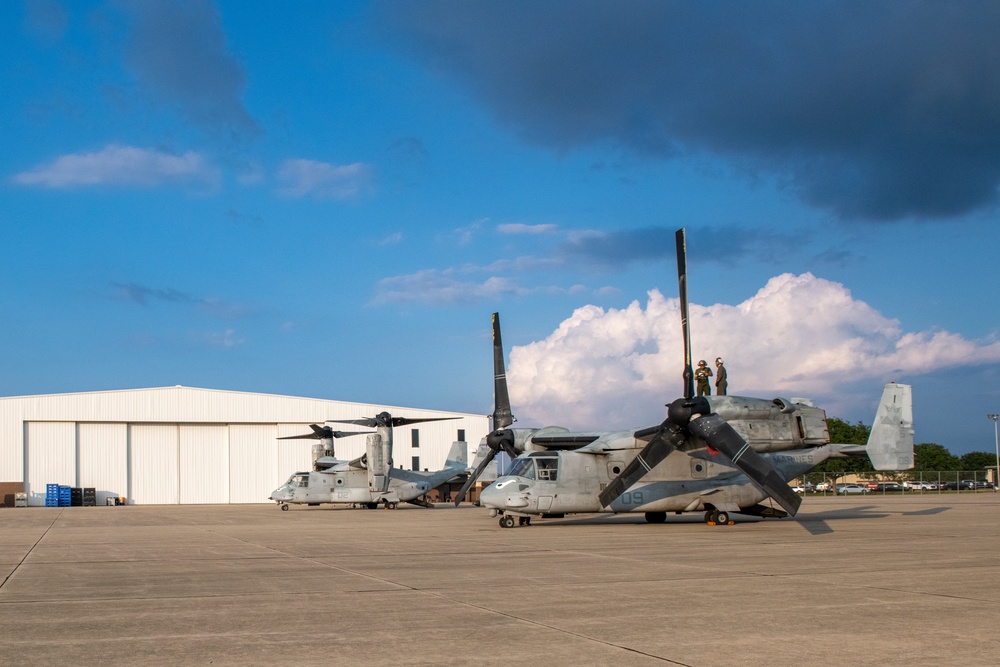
point(103, 459)
point(204, 464)
point(253, 463)
point(153, 458)
point(50, 451)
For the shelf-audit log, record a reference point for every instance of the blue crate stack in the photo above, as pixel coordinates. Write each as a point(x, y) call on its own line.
point(52, 495)
point(65, 496)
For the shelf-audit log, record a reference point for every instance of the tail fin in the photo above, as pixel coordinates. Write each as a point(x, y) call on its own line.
point(458, 455)
point(890, 445)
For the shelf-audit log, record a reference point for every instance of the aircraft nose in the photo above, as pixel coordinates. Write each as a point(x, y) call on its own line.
point(491, 497)
point(505, 493)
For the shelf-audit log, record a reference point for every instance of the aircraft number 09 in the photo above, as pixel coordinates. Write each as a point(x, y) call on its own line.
point(632, 498)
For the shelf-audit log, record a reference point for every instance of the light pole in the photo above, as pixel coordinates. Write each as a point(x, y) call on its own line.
point(996, 442)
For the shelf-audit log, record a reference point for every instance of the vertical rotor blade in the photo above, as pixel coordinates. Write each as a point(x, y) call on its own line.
point(682, 293)
point(717, 432)
point(502, 416)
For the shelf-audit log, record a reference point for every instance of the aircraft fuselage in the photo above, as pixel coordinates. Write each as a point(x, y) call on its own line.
point(569, 482)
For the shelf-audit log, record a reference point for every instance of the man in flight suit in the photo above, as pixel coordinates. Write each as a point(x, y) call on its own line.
point(701, 375)
point(721, 378)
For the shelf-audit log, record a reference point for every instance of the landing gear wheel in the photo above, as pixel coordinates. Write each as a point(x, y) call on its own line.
point(390, 506)
point(371, 506)
point(507, 522)
point(656, 517)
point(710, 516)
point(284, 508)
point(722, 519)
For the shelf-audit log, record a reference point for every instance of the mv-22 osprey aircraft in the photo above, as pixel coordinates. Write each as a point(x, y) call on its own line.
point(370, 479)
point(718, 455)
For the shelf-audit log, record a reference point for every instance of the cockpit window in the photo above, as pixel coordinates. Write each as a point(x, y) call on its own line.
point(299, 480)
point(548, 467)
point(522, 467)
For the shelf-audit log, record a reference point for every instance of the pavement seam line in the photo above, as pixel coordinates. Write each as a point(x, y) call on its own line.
point(440, 596)
point(28, 553)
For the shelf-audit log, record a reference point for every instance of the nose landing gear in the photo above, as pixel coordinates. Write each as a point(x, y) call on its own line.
point(507, 521)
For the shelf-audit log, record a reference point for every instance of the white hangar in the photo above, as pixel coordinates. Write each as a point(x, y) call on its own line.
point(182, 445)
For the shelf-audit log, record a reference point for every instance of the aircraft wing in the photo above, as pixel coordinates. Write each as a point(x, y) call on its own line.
point(360, 463)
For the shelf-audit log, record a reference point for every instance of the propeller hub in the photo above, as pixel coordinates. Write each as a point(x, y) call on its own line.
point(500, 440)
point(682, 410)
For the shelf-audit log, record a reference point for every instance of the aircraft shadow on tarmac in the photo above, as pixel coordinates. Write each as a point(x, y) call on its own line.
point(815, 523)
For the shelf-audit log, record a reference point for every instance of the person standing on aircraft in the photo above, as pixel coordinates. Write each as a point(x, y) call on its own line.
point(701, 374)
point(721, 378)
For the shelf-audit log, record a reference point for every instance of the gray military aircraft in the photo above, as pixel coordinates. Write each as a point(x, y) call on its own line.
point(718, 455)
point(369, 479)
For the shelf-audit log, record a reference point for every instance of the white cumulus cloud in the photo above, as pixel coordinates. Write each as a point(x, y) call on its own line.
point(521, 228)
point(118, 165)
point(797, 336)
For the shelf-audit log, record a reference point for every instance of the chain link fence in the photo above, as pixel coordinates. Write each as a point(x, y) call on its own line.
point(900, 483)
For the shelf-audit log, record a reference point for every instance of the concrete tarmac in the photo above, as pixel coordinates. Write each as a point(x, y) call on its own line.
point(855, 581)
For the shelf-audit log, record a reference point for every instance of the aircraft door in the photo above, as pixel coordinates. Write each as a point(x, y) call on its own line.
point(544, 503)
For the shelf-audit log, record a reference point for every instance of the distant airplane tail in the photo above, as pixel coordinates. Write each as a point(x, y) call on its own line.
point(890, 443)
point(458, 455)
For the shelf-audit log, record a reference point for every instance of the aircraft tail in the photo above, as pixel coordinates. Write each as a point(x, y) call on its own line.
point(458, 455)
point(890, 445)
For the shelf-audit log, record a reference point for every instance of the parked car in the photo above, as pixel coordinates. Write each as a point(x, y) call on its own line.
point(888, 487)
point(966, 485)
point(852, 488)
point(919, 486)
point(823, 486)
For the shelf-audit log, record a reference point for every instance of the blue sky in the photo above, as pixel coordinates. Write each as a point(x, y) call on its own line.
point(329, 200)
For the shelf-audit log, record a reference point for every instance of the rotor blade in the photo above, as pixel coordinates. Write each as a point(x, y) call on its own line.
point(502, 417)
point(318, 433)
point(655, 451)
point(717, 432)
point(404, 421)
point(682, 294)
point(368, 421)
point(374, 422)
point(474, 476)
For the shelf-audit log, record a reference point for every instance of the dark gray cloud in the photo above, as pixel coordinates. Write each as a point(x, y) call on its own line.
point(725, 245)
point(177, 51)
point(873, 109)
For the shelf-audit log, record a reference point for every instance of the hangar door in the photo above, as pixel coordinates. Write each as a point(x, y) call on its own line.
point(103, 459)
point(204, 464)
point(253, 462)
point(153, 464)
point(49, 458)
